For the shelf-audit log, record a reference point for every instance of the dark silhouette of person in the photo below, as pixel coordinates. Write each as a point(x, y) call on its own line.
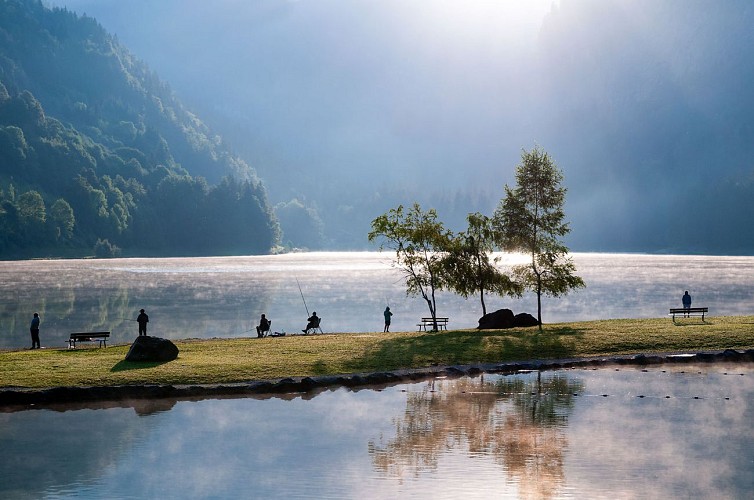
point(686, 300)
point(264, 326)
point(142, 319)
point(34, 329)
point(387, 314)
point(313, 323)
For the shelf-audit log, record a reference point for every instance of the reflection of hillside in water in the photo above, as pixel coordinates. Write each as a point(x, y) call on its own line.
point(519, 422)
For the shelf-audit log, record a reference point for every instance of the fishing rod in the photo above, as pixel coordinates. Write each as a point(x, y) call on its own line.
point(302, 298)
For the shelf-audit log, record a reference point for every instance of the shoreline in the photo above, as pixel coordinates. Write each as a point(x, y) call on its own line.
point(14, 399)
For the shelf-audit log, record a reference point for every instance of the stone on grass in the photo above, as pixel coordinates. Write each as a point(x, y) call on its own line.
point(146, 348)
point(502, 318)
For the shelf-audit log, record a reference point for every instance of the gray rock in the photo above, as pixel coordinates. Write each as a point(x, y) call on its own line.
point(146, 348)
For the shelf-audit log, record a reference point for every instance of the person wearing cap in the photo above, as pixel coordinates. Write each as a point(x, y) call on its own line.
point(142, 319)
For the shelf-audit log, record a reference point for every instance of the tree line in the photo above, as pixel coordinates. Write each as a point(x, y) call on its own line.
point(529, 219)
point(98, 156)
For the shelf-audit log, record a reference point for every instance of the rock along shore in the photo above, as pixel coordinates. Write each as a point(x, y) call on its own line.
point(16, 399)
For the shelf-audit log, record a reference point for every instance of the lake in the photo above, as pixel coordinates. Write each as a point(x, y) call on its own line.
point(670, 431)
point(224, 296)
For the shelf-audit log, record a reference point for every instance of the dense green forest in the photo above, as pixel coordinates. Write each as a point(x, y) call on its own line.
point(97, 156)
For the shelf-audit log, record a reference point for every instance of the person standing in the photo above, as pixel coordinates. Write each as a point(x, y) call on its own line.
point(388, 315)
point(34, 329)
point(142, 319)
point(686, 300)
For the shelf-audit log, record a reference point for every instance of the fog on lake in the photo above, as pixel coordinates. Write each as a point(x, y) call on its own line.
point(224, 296)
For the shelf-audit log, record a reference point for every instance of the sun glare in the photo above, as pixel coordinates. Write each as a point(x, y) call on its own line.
point(473, 19)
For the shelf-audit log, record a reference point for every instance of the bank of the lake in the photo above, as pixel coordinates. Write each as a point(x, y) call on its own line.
point(301, 360)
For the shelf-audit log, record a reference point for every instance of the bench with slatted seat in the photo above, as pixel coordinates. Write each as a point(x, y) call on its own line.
point(688, 311)
point(79, 337)
point(428, 324)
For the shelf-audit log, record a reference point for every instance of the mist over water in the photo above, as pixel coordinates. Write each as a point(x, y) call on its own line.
point(224, 296)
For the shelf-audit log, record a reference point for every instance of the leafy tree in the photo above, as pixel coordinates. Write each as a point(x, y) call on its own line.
point(31, 208)
point(469, 265)
point(420, 242)
point(62, 217)
point(530, 219)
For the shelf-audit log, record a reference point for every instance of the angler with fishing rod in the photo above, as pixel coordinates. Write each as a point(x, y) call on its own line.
point(313, 320)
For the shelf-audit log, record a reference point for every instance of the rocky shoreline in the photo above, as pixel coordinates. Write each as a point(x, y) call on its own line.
point(16, 399)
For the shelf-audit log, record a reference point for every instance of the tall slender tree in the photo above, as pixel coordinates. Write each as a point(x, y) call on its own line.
point(531, 219)
point(420, 242)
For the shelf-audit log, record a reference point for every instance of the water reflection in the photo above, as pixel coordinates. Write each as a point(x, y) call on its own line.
point(518, 422)
point(667, 432)
point(224, 296)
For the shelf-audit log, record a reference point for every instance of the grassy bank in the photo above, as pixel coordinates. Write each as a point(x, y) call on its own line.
point(244, 359)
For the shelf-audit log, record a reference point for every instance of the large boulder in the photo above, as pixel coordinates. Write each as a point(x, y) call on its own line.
point(524, 320)
point(500, 319)
point(146, 348)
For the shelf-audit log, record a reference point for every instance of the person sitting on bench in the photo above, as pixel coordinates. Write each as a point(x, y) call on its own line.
point(264, 326)
point(313, 323)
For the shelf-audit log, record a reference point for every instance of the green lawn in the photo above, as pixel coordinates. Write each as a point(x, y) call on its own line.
point(245, 359)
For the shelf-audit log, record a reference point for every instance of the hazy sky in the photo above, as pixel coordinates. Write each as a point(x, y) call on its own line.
point(345, 86)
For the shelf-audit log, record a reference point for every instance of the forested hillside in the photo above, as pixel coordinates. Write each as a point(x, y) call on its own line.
point(354, 107)
point(97, 154)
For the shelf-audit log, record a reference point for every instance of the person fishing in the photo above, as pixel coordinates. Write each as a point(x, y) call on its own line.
point(313, 320)
point(313, 323)
point(264, 326)
point(142, 319)
point(388, 315)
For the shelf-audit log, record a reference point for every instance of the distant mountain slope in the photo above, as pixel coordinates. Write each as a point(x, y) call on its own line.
point(353, 107)
point(96, 150)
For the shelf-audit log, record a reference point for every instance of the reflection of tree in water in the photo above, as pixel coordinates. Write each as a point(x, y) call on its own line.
point(517, 421)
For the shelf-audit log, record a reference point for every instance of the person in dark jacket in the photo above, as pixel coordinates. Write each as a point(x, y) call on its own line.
point(686, 300)
point(264, 326)
point(387, 314)
point(142, 319)
point(34, 329)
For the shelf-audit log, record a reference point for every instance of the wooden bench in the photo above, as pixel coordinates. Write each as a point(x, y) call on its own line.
point(428, 324)
point(77, 337)
point(688, 311)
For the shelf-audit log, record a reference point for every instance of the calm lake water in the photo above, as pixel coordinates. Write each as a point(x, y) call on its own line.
point(675, 431)
point(224, 296)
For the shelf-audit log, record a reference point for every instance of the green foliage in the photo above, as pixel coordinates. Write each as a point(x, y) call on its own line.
point(89, 130)
point(301, 225)
point(530, 219)
point(421, 243)
point(104, 249)
point(61, 215)
point(469, 267)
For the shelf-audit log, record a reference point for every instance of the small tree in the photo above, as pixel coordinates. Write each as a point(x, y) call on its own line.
point(530, 219)
point(470, 267)
point(419, 241)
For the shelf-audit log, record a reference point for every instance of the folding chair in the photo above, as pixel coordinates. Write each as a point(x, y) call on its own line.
point(314, 327)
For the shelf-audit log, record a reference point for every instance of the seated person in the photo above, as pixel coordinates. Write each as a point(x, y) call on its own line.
point(313, 323)
point(264, 326)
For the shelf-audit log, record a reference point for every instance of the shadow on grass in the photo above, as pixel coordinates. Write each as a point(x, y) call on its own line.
point(124, 365)
point(466, 347)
